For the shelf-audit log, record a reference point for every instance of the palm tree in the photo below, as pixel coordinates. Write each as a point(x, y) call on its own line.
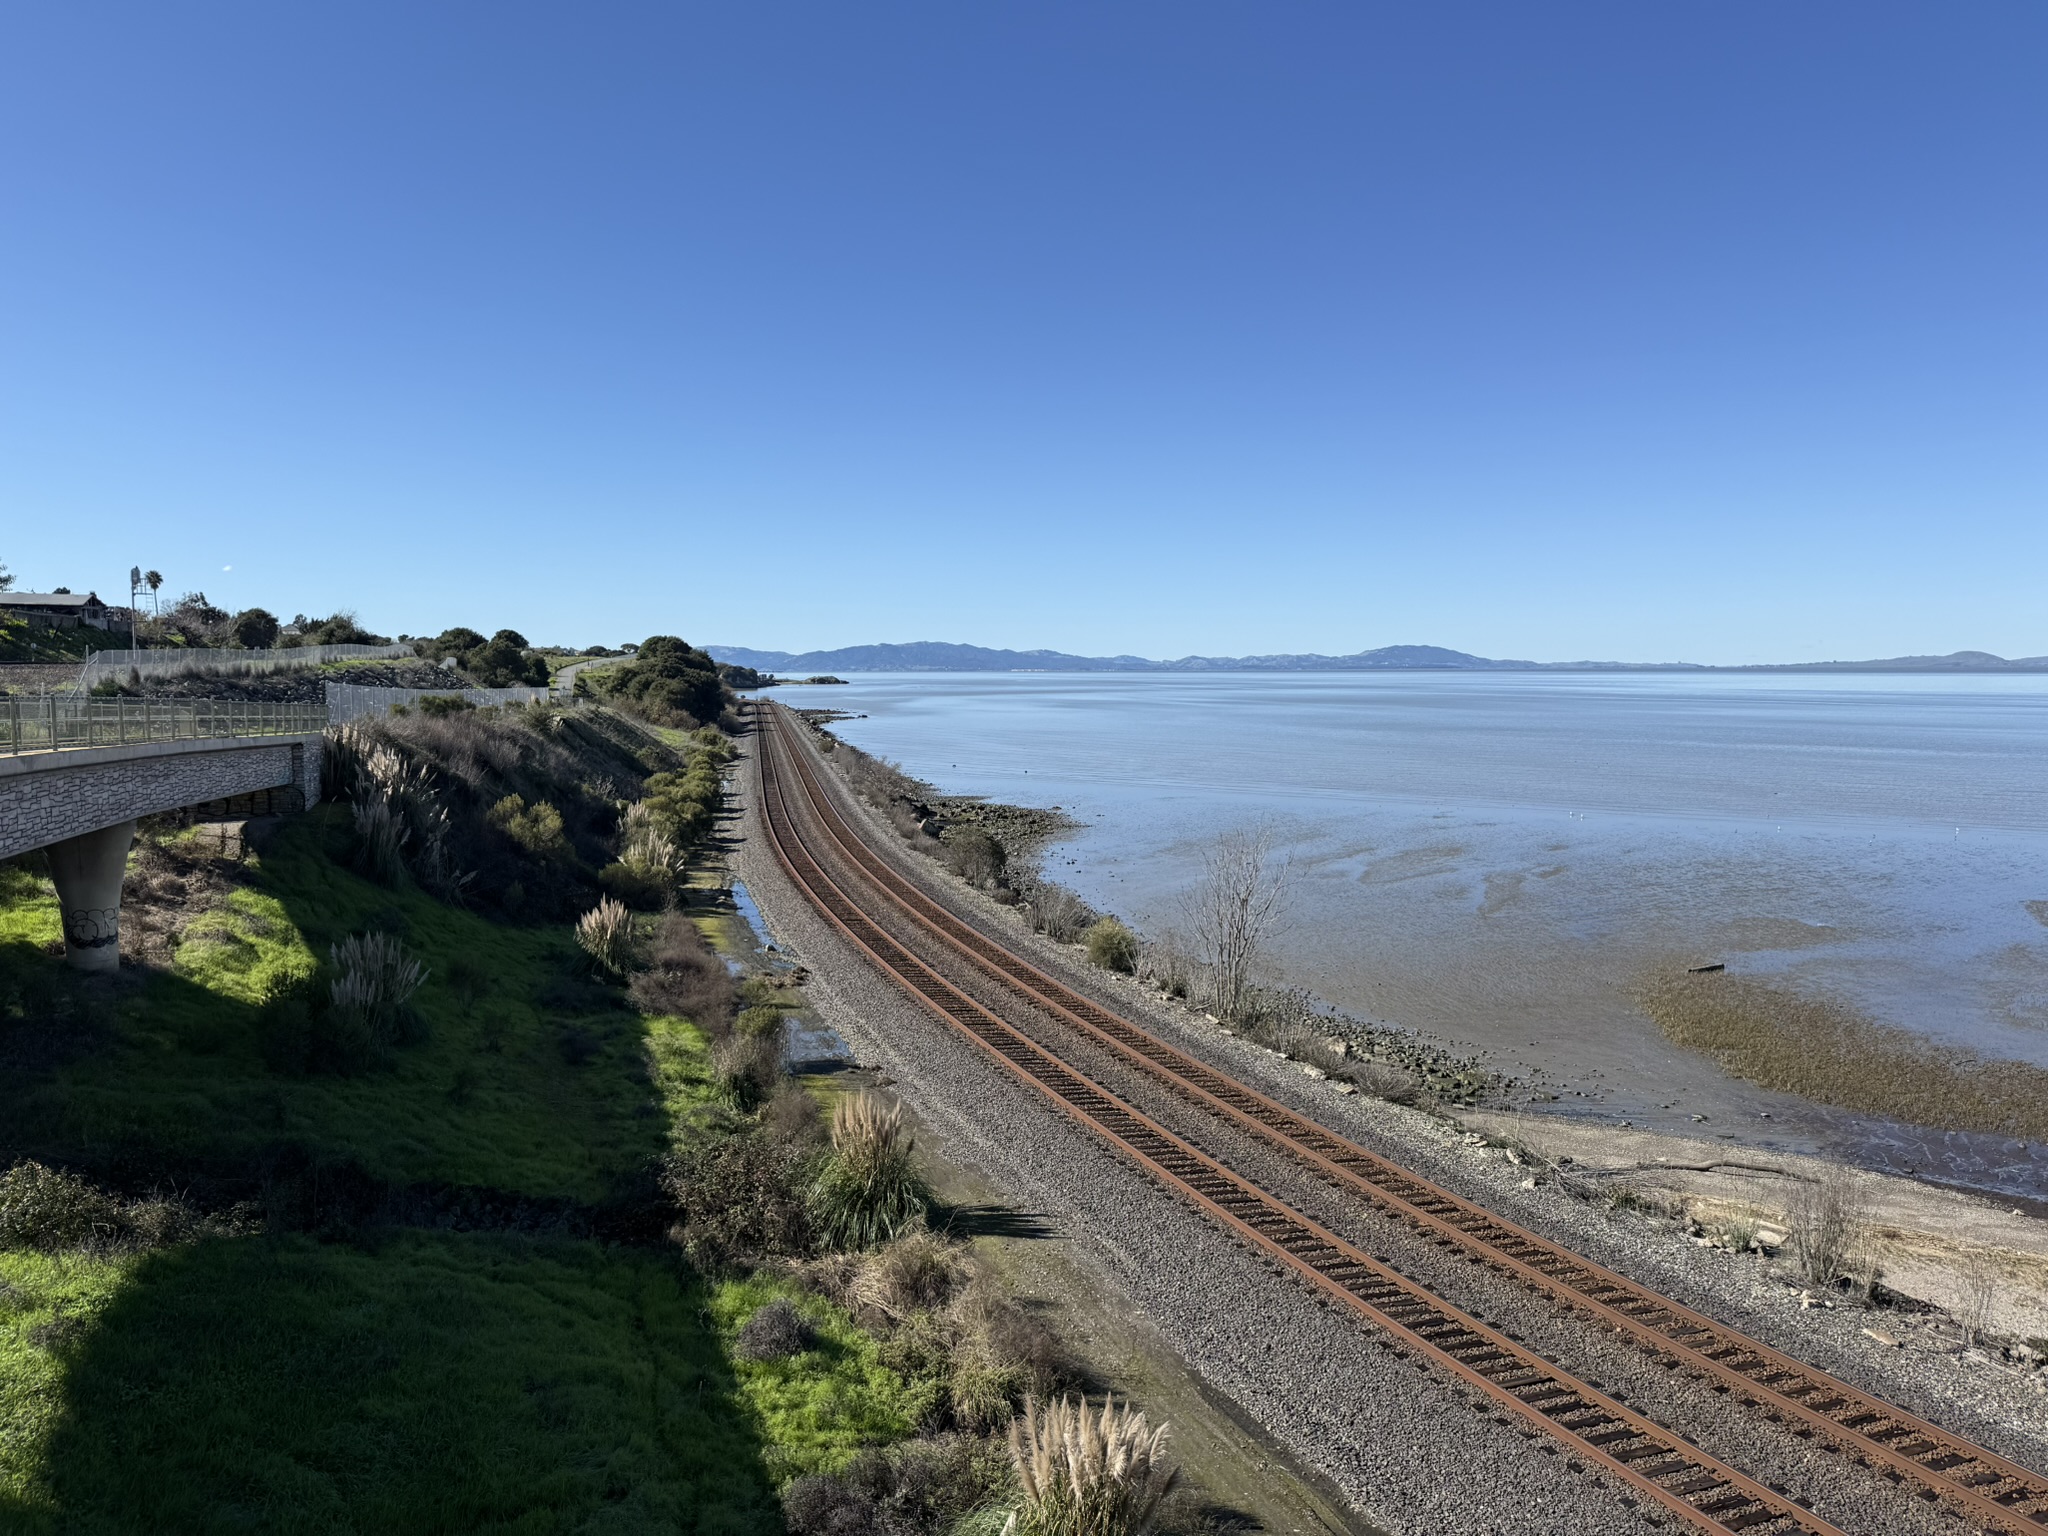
point(153, 580)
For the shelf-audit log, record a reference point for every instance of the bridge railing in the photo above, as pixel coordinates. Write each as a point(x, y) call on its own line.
point(61, 724)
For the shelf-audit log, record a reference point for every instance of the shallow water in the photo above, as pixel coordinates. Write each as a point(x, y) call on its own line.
point(808, 1043)
point(1499, 859)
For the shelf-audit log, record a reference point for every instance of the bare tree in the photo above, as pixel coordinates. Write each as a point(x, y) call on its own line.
point(1233, 908)
point(1979, 1303)
point(1827, 1220)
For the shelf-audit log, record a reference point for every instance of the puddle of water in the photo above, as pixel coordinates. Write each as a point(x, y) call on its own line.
point(809, 1046)
point(812, 1047)
point(743, 899)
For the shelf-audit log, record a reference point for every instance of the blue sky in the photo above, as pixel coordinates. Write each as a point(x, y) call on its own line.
point(1573, 330)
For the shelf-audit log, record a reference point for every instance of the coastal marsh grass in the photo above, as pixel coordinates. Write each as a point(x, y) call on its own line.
point(1822, 1051)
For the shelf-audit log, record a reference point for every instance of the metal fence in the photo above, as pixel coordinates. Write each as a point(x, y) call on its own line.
point(351, 701)
point(59, 724)
point(171, 660)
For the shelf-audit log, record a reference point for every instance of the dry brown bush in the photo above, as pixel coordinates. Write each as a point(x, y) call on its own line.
point(1059, 914)
point(1232, 910)
point(1383, 1080)
point(791, 1115)
point(745, 1070)
point(685, 977)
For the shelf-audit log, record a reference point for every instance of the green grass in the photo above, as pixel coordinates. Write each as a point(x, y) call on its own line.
point(441, 1382)
point(44, 1298)
point(815, 1410)
point(541, 1085)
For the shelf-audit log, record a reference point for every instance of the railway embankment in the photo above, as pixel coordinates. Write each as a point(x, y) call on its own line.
point(1241, 1331)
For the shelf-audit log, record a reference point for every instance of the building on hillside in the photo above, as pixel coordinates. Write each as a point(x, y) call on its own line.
point(61, 610)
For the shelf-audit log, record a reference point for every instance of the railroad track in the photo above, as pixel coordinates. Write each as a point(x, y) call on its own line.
point(1649, 1461)
point(1991, 1492)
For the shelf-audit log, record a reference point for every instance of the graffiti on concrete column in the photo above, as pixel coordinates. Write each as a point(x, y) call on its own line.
point(92, 927)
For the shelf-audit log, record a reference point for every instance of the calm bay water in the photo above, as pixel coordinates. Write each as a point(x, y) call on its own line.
point(1498, 859)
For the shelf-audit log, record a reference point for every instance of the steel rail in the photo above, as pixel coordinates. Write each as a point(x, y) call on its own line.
point(1999, 1494)
point(1646, 1458)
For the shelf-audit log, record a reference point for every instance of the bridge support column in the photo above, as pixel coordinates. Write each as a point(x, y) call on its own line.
point(88, 872)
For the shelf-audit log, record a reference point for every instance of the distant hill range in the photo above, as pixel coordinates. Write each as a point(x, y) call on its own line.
point(939, 656)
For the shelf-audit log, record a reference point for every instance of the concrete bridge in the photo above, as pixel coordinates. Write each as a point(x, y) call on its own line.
point(75, 776)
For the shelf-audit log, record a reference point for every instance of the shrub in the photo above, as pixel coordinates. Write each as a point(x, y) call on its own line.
point(668, 681)
point(775, 1332)
point(606, 934)
point(975, 856)
point(869, 1191)
point(504, 661)
point(369, 999)
point(637, 887)
point(256, 628)
point(1059, 914)
point(537, 828)
point(822, 1504)
point(1112, 946)
point(1827, 1219)
point(684, 978)
point(439, 705)
point(1088, 1474)
point(339, 628)
point(44, 1208)
point(741, 1198)
point(760, 1020)
point(998, 1330)
point(745, 1069)
point(791, 1115)
point(683, 806)
point(925, 1487)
